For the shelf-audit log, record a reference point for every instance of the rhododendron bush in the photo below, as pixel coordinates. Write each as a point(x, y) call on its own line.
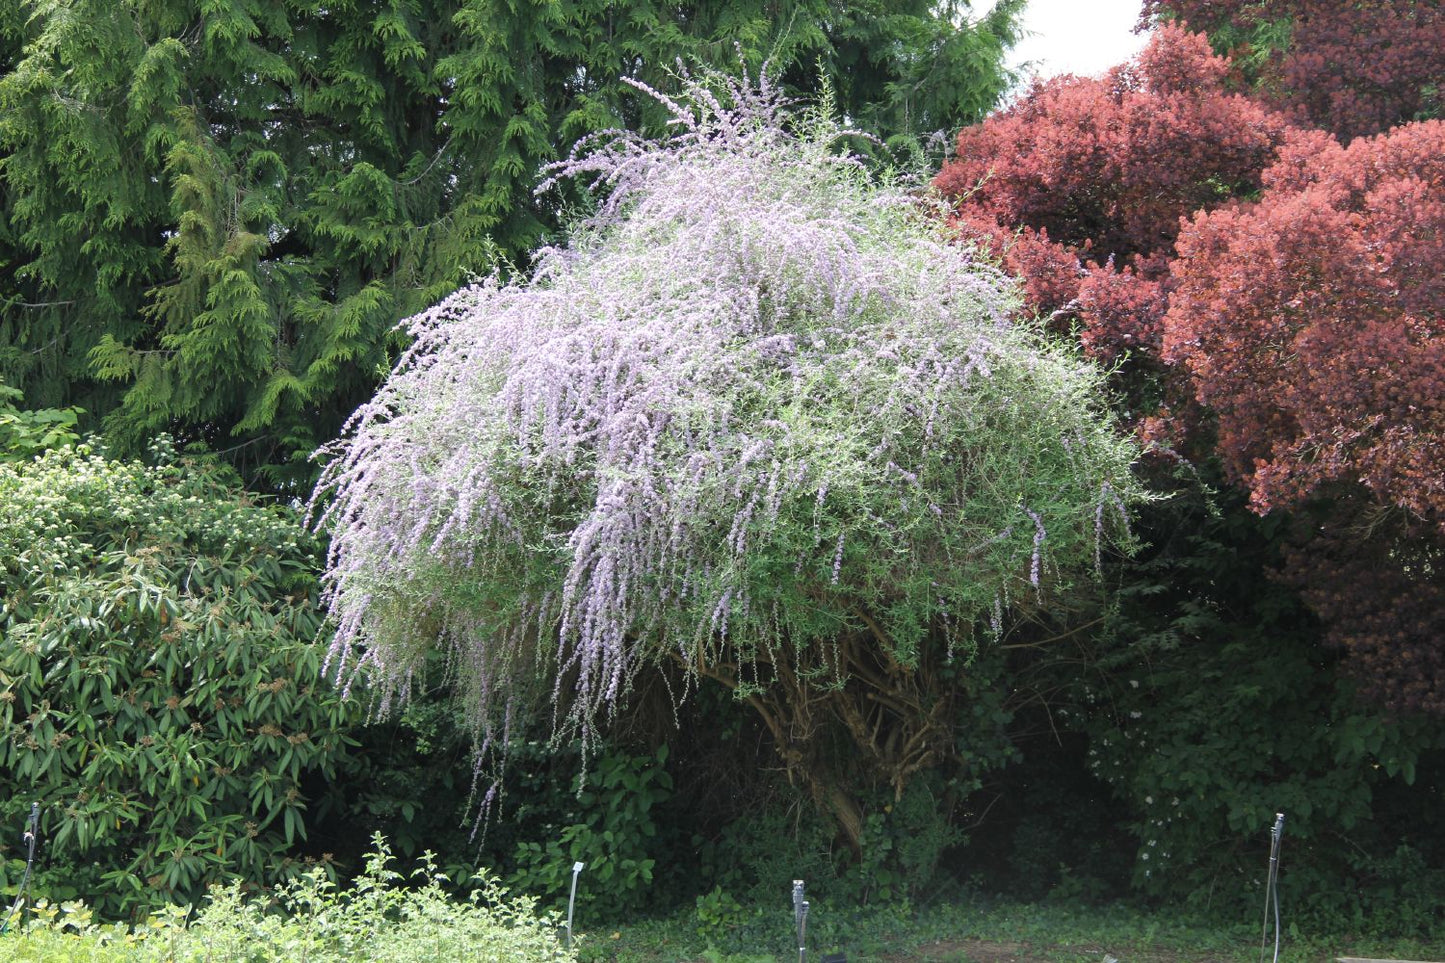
point(756, 419)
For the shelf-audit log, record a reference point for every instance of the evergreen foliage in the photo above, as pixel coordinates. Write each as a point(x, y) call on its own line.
point(160, 688)
point(215, 212)
point(757, 420)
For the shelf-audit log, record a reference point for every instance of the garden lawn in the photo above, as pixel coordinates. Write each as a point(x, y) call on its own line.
point(972, 932)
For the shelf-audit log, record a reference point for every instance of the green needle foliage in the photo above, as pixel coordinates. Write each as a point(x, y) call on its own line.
point(160, 690)
point(215, 211)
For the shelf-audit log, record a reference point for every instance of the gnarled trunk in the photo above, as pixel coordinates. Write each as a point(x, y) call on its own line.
point(897, 718)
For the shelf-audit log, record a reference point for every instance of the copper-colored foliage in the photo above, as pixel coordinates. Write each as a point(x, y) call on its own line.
point(1379, 602)
point(1277, 294)
point(1081, 187)
point(1310, 322)
point(1354, 69)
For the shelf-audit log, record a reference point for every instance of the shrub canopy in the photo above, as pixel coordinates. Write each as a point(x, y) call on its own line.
point(1273, 295)
point(1354, 69)
point(757, 418)
point(160, 689)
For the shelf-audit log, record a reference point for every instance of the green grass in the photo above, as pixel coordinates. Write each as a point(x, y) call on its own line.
point(971, 933)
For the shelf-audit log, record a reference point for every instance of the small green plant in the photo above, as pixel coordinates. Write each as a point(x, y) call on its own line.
point(383, 916)
point(717, 912)
point(903, 841)
point(613, 834)
point(25, 433)
point(718, 956)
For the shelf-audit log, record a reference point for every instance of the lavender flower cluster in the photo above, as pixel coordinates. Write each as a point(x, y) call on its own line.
point(756, 400)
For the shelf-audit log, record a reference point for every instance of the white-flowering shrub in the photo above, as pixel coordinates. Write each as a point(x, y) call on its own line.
point(757, 408)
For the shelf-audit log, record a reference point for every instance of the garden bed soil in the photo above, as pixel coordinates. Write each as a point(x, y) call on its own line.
point(996, 951)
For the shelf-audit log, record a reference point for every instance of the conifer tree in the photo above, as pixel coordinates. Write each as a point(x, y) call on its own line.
point(214, 213)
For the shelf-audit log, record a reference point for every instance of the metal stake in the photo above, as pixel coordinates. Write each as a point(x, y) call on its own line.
point(800, 917)
point(1271, 888)
point(572, 901)
point(32, 832)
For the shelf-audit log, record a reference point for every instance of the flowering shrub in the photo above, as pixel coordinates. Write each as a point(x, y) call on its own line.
point(757, 419)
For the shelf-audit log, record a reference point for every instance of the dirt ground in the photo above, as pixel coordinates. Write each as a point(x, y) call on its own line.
point(991, 951)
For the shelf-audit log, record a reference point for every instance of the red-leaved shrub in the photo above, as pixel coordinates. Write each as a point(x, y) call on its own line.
point(1352, 67)
point(1311, 322)
point(1080, 188)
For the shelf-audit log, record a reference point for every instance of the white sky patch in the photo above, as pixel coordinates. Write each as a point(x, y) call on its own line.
point(1084, 37)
